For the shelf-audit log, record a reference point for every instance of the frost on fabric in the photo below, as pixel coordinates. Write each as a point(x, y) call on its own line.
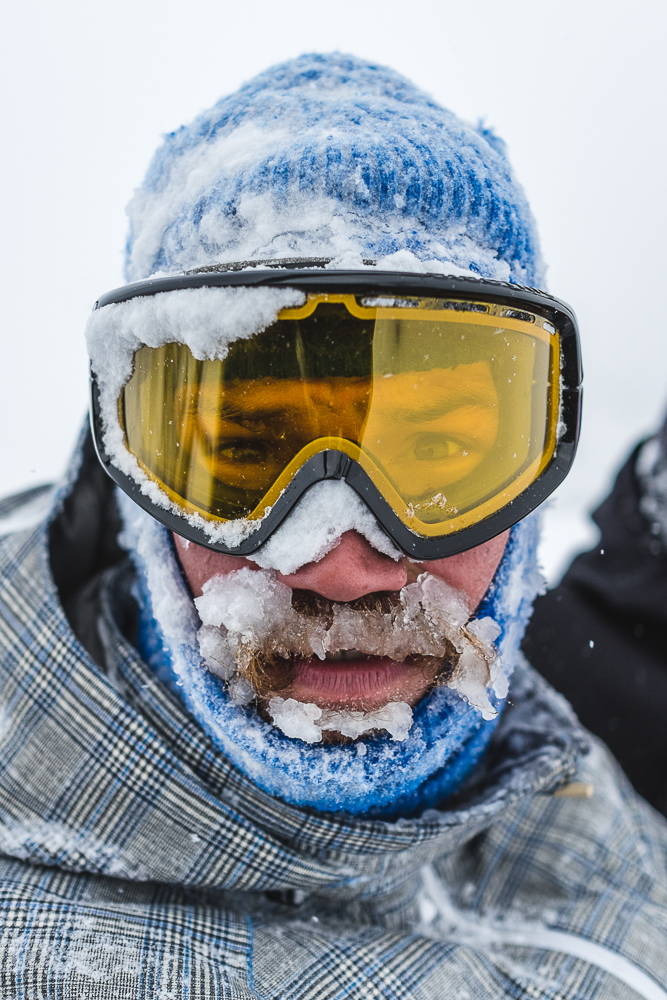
point(48, 841)
point(95, 957)
point(26, 515)
point(331, 156)
point(503, 930)
point(509, 599)
point(208, 320)
point(252, 612)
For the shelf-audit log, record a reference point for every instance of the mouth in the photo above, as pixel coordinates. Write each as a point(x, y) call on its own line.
point(348, 679)
point(355, 679)
point(275, 645)
point(347, 695)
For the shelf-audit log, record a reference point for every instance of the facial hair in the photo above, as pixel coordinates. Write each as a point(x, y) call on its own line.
point(255, 628)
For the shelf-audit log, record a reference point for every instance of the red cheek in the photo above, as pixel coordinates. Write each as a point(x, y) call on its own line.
point(473, 570)
point(200, 564)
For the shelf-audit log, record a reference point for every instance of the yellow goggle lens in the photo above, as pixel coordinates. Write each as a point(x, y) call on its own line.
point(450, 408)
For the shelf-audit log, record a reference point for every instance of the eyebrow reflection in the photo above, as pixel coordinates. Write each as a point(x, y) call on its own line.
point(480, 395)
point(280, 401)
point(269, 402)
point(458, 402)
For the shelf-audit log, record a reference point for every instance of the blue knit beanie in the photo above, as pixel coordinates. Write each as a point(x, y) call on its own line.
point(332, 156)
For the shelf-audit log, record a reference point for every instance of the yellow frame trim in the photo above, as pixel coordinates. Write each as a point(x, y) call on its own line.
point(432, 315)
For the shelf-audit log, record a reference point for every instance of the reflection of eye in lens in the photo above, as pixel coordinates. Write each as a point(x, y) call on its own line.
point(434, 448)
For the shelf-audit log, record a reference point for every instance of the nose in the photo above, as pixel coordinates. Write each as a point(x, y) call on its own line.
point(349, 571)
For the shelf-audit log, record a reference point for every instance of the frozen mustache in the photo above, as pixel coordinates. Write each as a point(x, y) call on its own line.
point(249, 613)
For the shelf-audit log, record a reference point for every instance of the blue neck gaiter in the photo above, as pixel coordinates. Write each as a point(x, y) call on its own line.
point(376, 776)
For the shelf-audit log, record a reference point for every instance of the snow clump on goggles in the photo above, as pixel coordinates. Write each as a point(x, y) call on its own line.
point(450, 405)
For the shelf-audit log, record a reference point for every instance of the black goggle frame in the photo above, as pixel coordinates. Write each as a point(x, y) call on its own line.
point(310, 275)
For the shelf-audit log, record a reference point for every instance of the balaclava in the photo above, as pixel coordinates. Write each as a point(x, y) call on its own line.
point(334, 158)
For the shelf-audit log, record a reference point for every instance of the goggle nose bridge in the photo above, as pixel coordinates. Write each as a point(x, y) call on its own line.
point(337, 465)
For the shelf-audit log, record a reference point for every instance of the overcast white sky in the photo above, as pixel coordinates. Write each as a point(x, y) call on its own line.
point(577, 88)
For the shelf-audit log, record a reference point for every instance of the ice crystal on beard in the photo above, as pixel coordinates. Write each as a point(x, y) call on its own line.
point(307, 721)
point(250, 612)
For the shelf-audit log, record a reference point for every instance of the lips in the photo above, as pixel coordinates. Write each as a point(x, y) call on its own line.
point(349, 679)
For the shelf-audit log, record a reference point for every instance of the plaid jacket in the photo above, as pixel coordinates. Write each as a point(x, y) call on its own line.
point(136, 862)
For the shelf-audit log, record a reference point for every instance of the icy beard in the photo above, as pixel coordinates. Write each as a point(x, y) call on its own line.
point(257, 632)
point(408, 760)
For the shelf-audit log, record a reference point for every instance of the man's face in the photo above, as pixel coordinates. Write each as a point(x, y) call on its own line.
point(353, 573)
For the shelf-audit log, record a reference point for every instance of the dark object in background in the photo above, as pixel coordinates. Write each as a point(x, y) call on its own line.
point(600, 637)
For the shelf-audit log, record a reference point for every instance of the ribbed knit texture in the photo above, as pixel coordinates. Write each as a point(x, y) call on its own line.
point(330, 155)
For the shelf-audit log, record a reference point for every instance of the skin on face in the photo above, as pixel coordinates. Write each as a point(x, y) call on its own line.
point(348, 572)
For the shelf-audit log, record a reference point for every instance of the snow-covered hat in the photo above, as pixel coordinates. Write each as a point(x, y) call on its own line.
point(332, 156)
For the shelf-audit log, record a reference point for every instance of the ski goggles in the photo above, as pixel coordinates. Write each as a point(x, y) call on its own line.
point(451, 406)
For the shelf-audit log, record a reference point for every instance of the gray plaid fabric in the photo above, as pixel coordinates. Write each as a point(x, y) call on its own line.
point(138, 863)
